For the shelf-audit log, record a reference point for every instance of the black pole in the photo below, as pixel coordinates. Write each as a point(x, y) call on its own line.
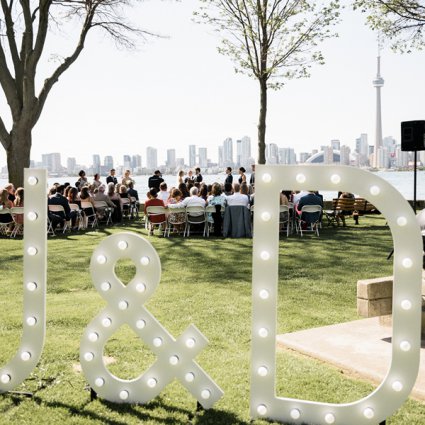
point(414, 181)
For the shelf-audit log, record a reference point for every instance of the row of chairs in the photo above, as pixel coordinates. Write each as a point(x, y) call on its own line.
point(190, 216)
point(13, 225)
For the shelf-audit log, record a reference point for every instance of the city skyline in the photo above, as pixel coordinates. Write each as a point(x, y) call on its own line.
point(179, 91)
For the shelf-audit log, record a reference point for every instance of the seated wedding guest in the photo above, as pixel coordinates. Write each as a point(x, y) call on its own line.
point(176, 219)
point(310, 199)
point(283, 198)
point(237, 198)
point(184, 191)
point(216, 198)
point(228, 189)
point(203, 191)
point(19, 202)
point(96, 180)
point(132, 192)
point(59, 199)
point(5, 203)
point(153, 201)
point(116, 199)
point(102, 196)
point(244, 190)
point(111, 177)
point(193, 201)
point(85, 194)
point(72, 196)
point(122, 191)
point(10, 189)
point(163, 192)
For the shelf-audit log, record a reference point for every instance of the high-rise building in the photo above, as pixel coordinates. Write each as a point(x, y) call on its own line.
point(362, 150)
point(171, 158)
point(378, 82)
point(96, 163)
point(179, 162)
point(220, 157)
point(328, 155)
point(127, 161)
point(238, 162)
point(272, 153)
point(344, 155)
point(192, 155)
point(71, 165)
point(287, 156)
point(108, 162)
point(382, 158)
point(402, 158)
point(303, 157)
point(203, 157)
point(52, 162)
point(151, 158)
point(228, 152)
point(336, 145)
point(136, 162)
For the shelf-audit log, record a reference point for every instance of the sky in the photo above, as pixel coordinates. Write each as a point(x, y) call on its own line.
point(178, 90)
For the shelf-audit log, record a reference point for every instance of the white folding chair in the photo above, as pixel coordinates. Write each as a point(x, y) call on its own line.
point(59, 209)
point(284, 219)
point(126, 207)
point(103, 211)
point(18, 218)
point(77, 209)
point(176, 217)
point(7, 225)
point(312, 225)
point(209, 210)
point(134, 207)
point(154, 211)
point(90, 217)
point(194, 216)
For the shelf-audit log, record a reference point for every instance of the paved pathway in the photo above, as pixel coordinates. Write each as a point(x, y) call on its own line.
point(361, 347)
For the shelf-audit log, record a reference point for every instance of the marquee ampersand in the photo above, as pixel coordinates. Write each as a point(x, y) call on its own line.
point(175, 358)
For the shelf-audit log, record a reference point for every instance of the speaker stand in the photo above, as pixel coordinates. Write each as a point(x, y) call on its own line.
point(414, 180)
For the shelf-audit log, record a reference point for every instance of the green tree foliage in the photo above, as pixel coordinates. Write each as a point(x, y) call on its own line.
point(401, 21)
point(26, 28)
point(271, 41)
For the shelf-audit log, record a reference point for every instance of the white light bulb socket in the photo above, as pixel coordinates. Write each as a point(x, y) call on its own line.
point(174, 360)
point(335, 178)
point(88, 357)
point(407, 263)
point(101, 259)
point(405, 346)
point(263, 332)
point(157, 342)
point(105, 286)
point(140, 287)
point(93, 336)
point(265, 255)
point(144, 261)
point(32, 250)
point(205, 394)
point(264, 294)
point(262, 410)
point(124, 395)
point(267, 178)
point(151, 382)
point(140, 324)
point(368, 413)
point(122, 245)
point(123, 305)
point(5, 378)
point(99, 382)
point(402, 221)
point(330, 418)
point(107, 322)
point(375, 190)
point(189, 377)
point(406, 305)
point(32, 181)
point(262, 371)
point(25, 356)
point(190, 342)
point(295, 414)
point(32, 216)
point(265, 216)
point(31, 286)
point(31, 321)
point(300, 178)
point(397, 386)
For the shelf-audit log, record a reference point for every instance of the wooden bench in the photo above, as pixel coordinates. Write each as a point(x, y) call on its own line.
point(354, 207)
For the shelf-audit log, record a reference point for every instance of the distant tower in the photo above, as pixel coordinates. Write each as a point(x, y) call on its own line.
point(378, 82)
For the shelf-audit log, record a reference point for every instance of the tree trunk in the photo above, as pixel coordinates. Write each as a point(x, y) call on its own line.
point(18, 153)
point(262, 122)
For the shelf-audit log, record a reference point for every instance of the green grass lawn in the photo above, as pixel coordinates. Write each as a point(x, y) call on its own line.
point(205, 282)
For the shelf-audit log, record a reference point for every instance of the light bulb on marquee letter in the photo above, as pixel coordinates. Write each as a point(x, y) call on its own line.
point(375, 407)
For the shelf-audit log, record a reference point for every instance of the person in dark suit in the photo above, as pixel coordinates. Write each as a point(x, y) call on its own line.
point(57, 198)
point(155, 180)
point(198, 175)
point(311, 198)
point(229, 177)
point(111, 177)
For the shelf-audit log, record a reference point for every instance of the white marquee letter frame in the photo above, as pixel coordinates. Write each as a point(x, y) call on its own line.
point(35, 273)
point(396, 386)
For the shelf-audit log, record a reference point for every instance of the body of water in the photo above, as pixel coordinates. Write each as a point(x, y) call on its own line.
point(401, 180)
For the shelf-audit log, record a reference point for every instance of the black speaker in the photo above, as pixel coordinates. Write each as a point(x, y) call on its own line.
point(413, 136)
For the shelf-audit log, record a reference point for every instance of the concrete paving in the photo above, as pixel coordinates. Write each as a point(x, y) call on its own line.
point(362, 348)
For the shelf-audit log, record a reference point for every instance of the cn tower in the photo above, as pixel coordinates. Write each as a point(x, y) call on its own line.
point(378, 82)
